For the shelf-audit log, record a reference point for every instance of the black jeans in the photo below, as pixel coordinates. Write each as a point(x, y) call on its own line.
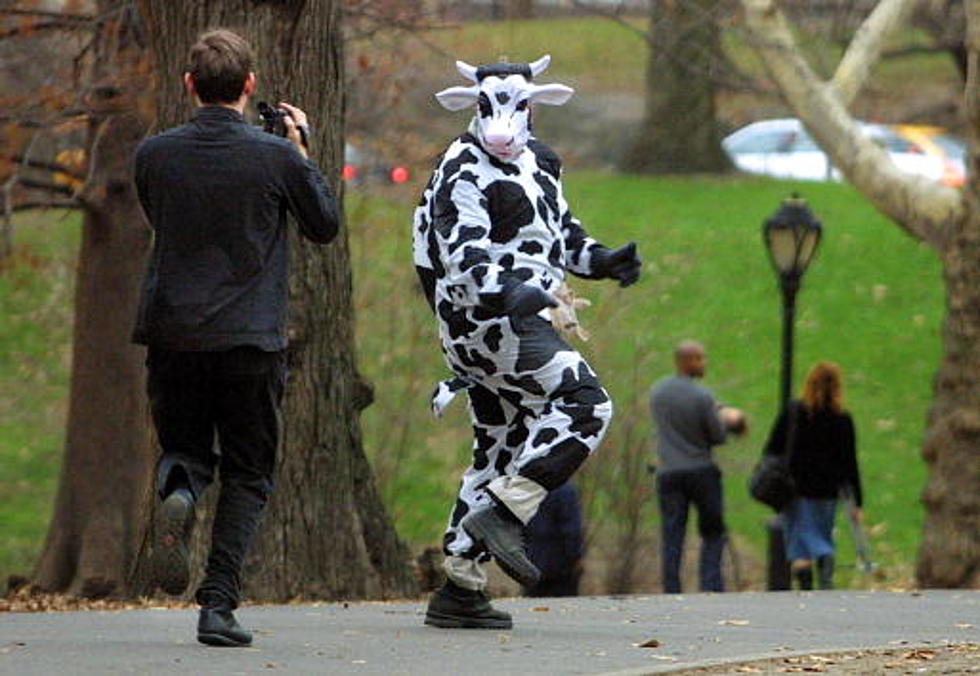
point(219, 410)
point(677, 490)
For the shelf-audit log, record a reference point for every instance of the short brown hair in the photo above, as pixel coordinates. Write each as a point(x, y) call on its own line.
point(219, 63)
point(824, 388)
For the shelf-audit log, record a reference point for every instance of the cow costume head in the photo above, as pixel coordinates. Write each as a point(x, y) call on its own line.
point(502, 94)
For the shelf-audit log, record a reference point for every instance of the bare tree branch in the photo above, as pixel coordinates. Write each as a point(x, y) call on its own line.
point(46, 204)
point(925, 209)
point(866, 46)
point(56, 188)
point(66, 16)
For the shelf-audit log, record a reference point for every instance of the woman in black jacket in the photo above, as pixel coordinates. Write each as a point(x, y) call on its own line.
point(823, 463)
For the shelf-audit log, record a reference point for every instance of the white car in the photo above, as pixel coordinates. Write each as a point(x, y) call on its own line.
point(783, 148)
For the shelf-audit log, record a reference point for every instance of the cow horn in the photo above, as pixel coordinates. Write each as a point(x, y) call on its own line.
point(538, 67)
point(466, 70)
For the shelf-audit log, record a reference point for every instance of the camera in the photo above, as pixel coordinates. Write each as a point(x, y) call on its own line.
point(273, 119)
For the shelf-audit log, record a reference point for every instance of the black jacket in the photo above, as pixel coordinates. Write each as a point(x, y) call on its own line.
point(823, 459)
point(216, 192)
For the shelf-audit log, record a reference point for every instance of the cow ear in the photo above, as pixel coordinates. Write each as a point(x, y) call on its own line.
point(458, 98)
point(551, 94)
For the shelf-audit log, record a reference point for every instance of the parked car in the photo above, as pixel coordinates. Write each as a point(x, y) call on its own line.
point(784, 149)
point(362, 166)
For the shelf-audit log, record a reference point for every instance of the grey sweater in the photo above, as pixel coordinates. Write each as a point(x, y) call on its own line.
point(687, 422)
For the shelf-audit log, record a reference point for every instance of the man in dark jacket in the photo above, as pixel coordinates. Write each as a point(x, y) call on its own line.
point(216, 192)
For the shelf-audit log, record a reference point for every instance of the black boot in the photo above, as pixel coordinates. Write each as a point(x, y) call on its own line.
point(453, 607)
point(170, 563)
point(217, 626)
point(503, 536)
point(804, 577)
point(825, 570)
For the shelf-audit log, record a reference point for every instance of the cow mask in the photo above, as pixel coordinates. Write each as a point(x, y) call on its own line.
point(502, 94)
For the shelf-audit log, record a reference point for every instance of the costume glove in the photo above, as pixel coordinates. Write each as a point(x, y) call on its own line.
point(622, 264)
point(523, 300)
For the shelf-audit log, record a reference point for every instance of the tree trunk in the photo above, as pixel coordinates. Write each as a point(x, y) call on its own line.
point(97, 521)
point(680, 132)
point(950, 551)
point(325, 533)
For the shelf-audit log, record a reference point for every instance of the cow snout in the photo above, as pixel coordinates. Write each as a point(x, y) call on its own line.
point(498, 140)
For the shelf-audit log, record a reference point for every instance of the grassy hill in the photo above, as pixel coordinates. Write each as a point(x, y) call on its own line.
point(871, 301)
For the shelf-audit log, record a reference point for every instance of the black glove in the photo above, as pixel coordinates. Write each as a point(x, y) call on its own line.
point(622, 264)
point(523, 300)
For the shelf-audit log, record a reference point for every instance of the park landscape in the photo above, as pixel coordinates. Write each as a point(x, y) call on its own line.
point(873, 301)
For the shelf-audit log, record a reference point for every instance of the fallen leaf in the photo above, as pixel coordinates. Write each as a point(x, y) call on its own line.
point(734, 623)
point(963, 625)
point(540, 609)
point(651, 643)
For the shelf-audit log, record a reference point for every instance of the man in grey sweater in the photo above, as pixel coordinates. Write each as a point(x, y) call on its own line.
point(689, 424)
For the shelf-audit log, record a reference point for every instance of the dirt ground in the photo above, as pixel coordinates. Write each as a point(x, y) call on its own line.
point(959, 658)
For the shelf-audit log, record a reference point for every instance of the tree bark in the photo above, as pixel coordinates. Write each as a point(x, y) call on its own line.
point(326, 533)
point(97, 522)
point(945, 218)
point(680, 132)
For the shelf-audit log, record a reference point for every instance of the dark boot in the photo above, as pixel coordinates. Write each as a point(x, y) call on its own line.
point(804, 577)
point(217, 626)
point(170, 563)
point(453, 607)
point(502, 534)
point(825, 570)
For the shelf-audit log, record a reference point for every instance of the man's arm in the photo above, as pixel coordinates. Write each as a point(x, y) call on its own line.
point(714, 428)
point(309, 199)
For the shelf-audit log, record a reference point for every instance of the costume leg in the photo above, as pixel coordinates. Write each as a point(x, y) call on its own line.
point(564, 414)
point(711, 525)
point(674, 505)
point(490, 431)
point(248, 389)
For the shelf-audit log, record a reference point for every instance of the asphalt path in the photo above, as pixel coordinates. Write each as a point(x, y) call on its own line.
point(585, 635)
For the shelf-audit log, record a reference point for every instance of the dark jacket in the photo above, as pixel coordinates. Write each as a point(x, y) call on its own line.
point(216, 192)
point(823, 459)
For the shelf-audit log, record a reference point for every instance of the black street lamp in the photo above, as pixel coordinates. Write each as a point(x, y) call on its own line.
point(791, 236)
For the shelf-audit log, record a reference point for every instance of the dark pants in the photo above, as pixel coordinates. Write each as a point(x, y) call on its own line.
point(677, 490)
point(219, 410)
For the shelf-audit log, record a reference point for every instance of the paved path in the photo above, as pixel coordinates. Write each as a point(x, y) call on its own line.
point(588, 635)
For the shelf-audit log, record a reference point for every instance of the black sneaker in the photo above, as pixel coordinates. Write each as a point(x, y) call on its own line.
point(503, 536)
point(453, 607)
point(170, 564)
point(217, 626)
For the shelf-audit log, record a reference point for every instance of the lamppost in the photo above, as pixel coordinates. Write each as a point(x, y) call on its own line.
point(791, 236)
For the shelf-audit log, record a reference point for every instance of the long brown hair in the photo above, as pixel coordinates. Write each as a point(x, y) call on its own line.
point(824, 388)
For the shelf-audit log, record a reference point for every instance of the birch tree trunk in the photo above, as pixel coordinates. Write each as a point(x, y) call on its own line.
point(325, 533)
point(946, 219)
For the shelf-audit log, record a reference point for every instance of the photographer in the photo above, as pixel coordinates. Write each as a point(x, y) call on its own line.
point(216, 192)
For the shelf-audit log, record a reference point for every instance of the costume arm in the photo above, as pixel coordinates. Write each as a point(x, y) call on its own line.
point(580, 248)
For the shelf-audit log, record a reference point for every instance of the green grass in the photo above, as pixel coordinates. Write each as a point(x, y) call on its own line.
point(36, 293)
point(871, 302)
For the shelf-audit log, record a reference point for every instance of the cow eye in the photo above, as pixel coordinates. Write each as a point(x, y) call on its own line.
point(483, 102)
point(521, 105)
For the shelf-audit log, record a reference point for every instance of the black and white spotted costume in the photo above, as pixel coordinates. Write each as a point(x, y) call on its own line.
point(489, 233)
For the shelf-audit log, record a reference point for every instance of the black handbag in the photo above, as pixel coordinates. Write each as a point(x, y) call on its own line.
point(771, 482)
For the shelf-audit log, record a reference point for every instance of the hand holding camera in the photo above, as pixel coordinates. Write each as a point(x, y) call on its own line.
point(287, 121)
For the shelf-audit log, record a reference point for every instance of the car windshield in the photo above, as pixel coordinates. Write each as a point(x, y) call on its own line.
point(953, 147)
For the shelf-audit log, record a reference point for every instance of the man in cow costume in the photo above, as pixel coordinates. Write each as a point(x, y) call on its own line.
point(493, 239)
